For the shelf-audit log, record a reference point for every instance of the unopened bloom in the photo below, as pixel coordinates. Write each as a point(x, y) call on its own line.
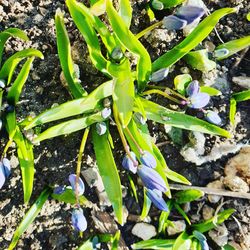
point(173, 23)
point(128, 164)
point(193, 88)
point(213, 117)
point(4, 171)
point(151, 179)
point(157, 5)
point(156, 197)
point(59, 190)
point(199, 100)
point(79, 221)
point(148, 159)
point(101, 128)
point(159, 75)
point(80, 187)
point(117, 54)
point(221, 53)
point(106, 112)
point(2, 83)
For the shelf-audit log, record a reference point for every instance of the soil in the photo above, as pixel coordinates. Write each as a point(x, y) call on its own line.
point(56, 159)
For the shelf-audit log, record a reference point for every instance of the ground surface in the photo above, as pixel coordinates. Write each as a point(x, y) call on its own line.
point(56, 159)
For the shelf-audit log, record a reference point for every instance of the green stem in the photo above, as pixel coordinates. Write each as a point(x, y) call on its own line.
point(79, 161)
point(148, 29)
point(134, 141)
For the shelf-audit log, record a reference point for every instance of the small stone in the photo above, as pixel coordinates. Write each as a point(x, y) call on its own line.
point(243, 81)
point(125, 214)
point(236, 184)
point(93, 178)
point(218, 185)
point(207, 212)
point(103, 199)
point(179, 226)
point(219, 235)
point(144, 231)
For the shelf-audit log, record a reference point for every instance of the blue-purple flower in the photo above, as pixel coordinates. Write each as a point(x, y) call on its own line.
point(101, 128)
point(79, 221)
point(156, 197)
point(80, 187)
point(148, 159)
point(193, 88)
point(128, 164)
point(59, 190)
point(4, 171)
point(106, 112)
point(159, 75)
point(184, 16)
point(213, 117)
point(151, 179)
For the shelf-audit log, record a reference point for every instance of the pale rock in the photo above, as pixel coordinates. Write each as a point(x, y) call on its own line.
point(243, 81)
point(103, 199)
point(179, 226)
point(93, 178)
point(236, 184)
point(219, 235)
point(218, 185)
point(207, 212)
point(125, 214)
point(144, 231)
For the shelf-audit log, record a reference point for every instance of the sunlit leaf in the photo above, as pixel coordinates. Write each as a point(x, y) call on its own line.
point(189, 195)
point(210, 90)
point(171, 3)
point(183, 241)
point(181, 82)
point(154, 244)
point(146, 205)
point(232, 110)
point(125, 11)
point(242, 96)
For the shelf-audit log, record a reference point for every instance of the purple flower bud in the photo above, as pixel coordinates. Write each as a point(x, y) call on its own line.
point(159, 75)
point(2, 83)
point(173, 23)
point(78, 220)
point(156, 197)
point(148, 159)
point(190, 13)
point(138, 117)
point(80, 188)
point(59, 190)
point(213, 117)
point(151, 179)
point(4, 171)
point(106, 112)
point(128, 164)
point(199, 100)
point(101, 128)
point(193, 88)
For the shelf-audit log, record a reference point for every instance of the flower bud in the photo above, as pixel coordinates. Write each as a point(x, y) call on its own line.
point(128, 164)
point(193, 88)
point(159, 75)
point(199, 100)
point(221, 53)
point(106, 112)
point(138, 117)
point(157, 5)
point(151, 179)
point(148, 159)
point(101, 128)
point(173, 23)
point(4, 171)
point(156, 197)
point(1, 124)
point(79, 221)
point(190, 13)
point(2, 83)
point(117, 54)
point(80, 188)
point(213, 117)
point(59, 190)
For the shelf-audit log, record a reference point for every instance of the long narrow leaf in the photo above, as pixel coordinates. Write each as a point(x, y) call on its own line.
point(163, 115)
point(242, 96)
point(10, 64)
point(129, 41)
point(197, 36)
point(125, 11)
point(108, 172)
point(232, 110)
point(16, 89)
point(30, 217)
point(64, 52)
point(154, 244)
point(146, 205)
point(75, 107)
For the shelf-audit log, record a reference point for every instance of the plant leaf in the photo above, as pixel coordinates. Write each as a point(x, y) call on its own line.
point(87, 245)
point(234, 46)
point(183, 241)
point(196, 36)
point(64, 52)
point(16, 89)
point(125, 11)
point(163, 115)
point(173, 176)
point(30, 216)
point(209, 90)
point(171, 3)
point(154, 244)
point(10, 64)
point(181, 82)
point(146, 205)
point(76, 107)
point(6, 34)
point(131, 43)
point(182, 212)
point(242, 96)
point(164, 217)
point(108, 172)
point(232, 110)
point(189, 195)
point(68, 127)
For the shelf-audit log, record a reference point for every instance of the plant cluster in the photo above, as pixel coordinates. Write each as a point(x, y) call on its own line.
point(124, 100)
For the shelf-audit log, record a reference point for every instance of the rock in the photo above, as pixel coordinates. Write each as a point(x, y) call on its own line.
point(103, 199)
point(93, 178)
point(240, 165)
point(219, 235)
point(125, 214)
point(236, 184)
point(218, 185)
point(207, 212)
point(179, 226)
point(144, 231)
point(243, 81)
